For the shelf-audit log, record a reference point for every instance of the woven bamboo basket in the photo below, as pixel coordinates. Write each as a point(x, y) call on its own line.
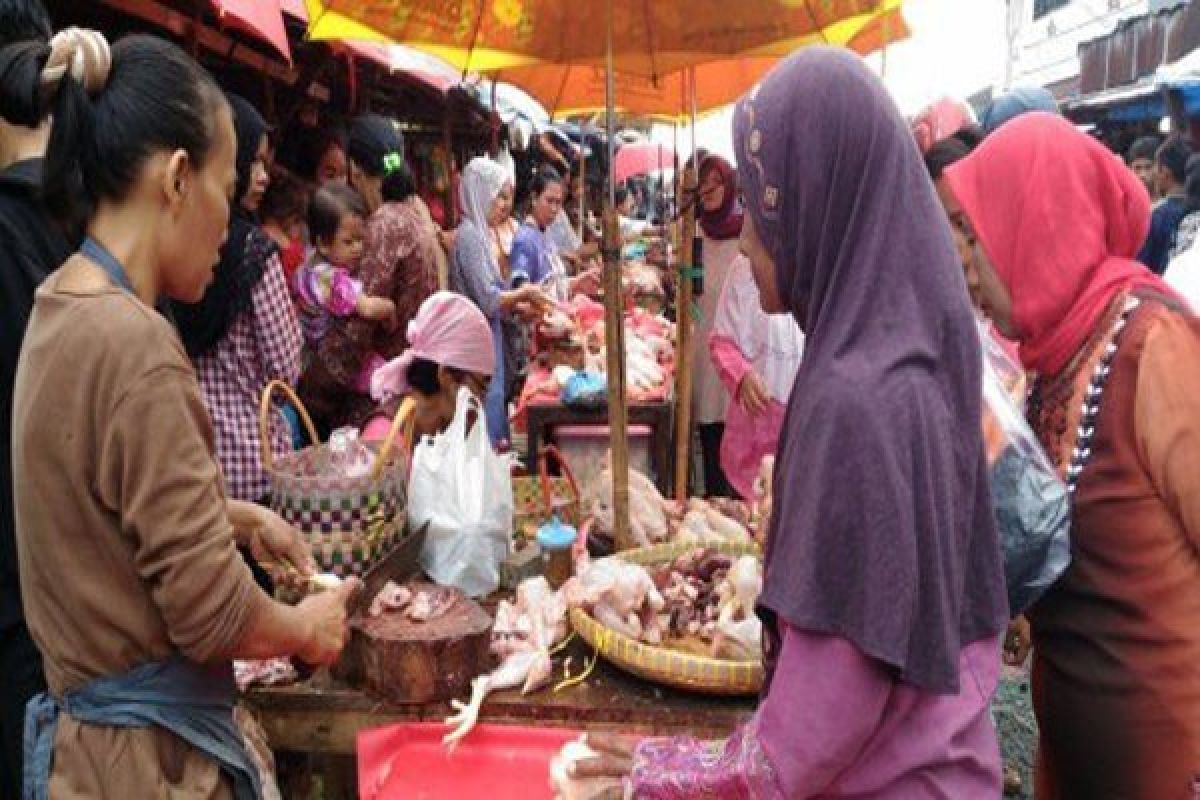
point(716, 676)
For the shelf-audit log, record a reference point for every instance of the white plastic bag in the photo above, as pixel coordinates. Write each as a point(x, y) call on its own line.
point(464, 491)
point(1031, 503)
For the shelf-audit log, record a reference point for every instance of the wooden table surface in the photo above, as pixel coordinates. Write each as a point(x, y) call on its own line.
point(325, 719)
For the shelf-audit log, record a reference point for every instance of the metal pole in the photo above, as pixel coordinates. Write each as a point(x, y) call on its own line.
point(614, 324)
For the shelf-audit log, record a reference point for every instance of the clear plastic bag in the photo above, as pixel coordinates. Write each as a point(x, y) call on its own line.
point(1031, 503)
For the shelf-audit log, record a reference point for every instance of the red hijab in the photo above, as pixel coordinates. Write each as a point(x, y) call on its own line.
point(1061, 219)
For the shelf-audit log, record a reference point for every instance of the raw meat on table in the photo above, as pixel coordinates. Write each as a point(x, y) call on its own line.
point(522, 637)
point(703, 602)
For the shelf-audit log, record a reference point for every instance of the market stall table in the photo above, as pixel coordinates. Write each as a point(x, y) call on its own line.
point(543, 419)
point(321, 724)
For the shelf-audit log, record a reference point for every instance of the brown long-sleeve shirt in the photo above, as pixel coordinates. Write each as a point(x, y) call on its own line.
point(125, 547)
point(1117, 675)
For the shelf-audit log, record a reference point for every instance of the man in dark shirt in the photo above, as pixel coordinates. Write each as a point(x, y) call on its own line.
point(1170, 168)
point(1142, 160)
point(31, 246)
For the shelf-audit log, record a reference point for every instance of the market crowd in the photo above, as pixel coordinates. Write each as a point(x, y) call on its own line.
point(165, 254)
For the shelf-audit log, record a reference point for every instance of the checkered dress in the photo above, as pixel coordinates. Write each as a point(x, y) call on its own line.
point(263, 344)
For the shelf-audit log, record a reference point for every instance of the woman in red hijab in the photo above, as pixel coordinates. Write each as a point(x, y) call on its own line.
point(1057, 220)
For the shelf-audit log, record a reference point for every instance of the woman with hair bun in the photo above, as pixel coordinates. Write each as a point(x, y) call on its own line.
point(31, 247)
point(133, 586)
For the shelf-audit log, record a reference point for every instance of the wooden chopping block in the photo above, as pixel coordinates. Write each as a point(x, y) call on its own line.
point(408, 662)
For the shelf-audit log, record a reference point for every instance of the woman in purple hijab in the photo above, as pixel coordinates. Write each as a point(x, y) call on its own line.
point(884, 597)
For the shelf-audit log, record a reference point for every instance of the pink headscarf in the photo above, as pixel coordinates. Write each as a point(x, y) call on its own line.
point(941, 120)
point(447, 330)
point(1061, 221)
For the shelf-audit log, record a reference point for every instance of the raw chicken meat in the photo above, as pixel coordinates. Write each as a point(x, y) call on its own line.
point(703, 524)
point(428, 604)
point(739, 630)
point(642, 369)
point(647, 514)
point(557, 324)
point(741, 588)
point(702, 594)
point(621, 596)
point(422, 605)
point(391, 597)
point(740, 641)
point(267, 672)
point(763, 490)
point(567, 788)
point(324, 581)
point(522, 637)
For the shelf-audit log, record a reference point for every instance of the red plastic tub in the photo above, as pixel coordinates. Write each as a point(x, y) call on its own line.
point(497, 762)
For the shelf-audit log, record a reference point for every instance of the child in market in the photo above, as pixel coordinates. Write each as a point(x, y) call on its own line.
point(281, 216)
point(756, 355)
point(326, 287)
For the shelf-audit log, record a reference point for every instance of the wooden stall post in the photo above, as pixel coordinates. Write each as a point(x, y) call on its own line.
point(582, 191)
point(614, 325)
point(614, 341)
point(683, 357)
point(683, 378)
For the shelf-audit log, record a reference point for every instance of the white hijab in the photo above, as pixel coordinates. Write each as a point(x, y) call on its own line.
point(773, 343)
point(482, 181)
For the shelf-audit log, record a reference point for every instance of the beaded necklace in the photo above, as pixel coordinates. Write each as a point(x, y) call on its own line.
point(1081, 453)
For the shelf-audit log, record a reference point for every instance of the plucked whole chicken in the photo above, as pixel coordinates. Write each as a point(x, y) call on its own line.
point(522, 637)
point(568, 788)
point(647, 514)
point(702, 603)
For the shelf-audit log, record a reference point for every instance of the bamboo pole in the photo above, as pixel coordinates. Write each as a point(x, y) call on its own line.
point(614, 328)
point(583, 190)
point(683, 377)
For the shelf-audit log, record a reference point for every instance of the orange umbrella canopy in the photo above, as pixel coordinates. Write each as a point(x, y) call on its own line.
point(651, 38)
point(566, 89)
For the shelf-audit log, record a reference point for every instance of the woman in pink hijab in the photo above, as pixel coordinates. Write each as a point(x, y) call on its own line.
point(443, 355)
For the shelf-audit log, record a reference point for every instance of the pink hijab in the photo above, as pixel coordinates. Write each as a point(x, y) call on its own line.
point(447, 331)
point(940, 120)
point(1061, 219)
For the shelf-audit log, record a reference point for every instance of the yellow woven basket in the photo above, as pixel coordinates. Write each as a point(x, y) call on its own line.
point(663, 665)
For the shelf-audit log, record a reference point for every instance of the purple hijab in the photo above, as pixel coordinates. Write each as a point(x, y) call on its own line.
point(882, 529)
point(726, 221)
